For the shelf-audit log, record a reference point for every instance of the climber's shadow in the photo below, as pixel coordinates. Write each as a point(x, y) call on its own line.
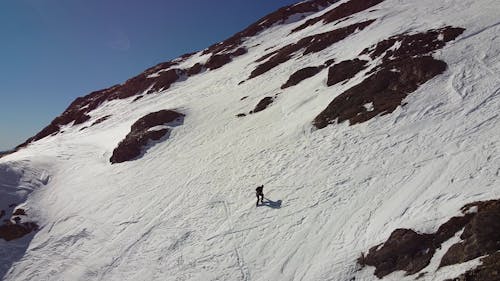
point(271, 204)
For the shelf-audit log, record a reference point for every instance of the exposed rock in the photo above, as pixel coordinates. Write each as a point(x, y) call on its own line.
point(404, 250)
point(301, 75)
point(10, 231)
point(138, 98)
point(195, 69)
point(345, 70)
point(140, 134)
point(243, 98)
point(489, 270)
point(163, 75)
point(100, 120)
point(241, 115)
point(307, 45)
point(266, 56)
point(410, 251)
point(19, 212)
point(166, 79)
point(78, 110)
point(481, 235)
point(263, 104)
point(342, 11)
point(281, 16)
point(4, 153)
point(402, 70)
point(219, 60)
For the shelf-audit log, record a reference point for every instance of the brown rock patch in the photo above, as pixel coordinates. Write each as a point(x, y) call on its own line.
point(342, 11)
point(279, 17)
point(195, 69)
point(10, 231)
point(301, 75)
point(140, 134)
point(410, 251)
point(404, 250)
point(489, 270)
point(307, 45)
point(481, 235)
point(19, 212)
point(78, 110)
point(345, 70)
point(263, 104)
point(401, 72)
point(100, 120)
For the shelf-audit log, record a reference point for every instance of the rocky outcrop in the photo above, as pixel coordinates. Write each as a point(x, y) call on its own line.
point(345, 70)
point(163, 75)
point(307, 45)
point(301, 75)
point(14, 228)
point(281, 16)
point(481, 235)
point(3, 153)
point(342, 11)
point(410, 251)
point(19, 212)
point(219, 60)
point(489, 270)
point(143, 131)
point(11, 231)
point(263, 104)
point(405, 65)
point(195, 69)
point(78, 110)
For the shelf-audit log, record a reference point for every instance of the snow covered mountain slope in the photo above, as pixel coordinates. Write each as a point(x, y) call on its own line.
point(358, 117)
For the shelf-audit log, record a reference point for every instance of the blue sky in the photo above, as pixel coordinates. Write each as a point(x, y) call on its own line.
point(53, 51)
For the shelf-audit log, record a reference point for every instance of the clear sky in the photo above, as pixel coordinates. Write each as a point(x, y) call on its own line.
point(52, 51)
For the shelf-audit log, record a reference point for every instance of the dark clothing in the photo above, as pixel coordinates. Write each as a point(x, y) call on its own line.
point(260, 194)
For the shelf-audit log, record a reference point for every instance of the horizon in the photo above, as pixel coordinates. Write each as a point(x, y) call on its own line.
point(55, 51)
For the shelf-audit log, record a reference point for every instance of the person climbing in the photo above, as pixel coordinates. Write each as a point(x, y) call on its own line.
point(260, 194)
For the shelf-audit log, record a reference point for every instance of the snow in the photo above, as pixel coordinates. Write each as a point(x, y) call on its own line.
point(158, 128)
point(368, 106)
point(186, 210)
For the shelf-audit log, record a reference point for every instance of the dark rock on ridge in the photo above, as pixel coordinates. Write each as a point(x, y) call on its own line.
point(140, 134)
point(308, 45)
point(219, 60)
point(19, 212)
point(78, 110)
point(279, 17)
point(345, 70)
point(166, 73)
point(342, 11)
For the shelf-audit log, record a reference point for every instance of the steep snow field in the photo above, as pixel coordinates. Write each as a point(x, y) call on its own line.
point(186, 209)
